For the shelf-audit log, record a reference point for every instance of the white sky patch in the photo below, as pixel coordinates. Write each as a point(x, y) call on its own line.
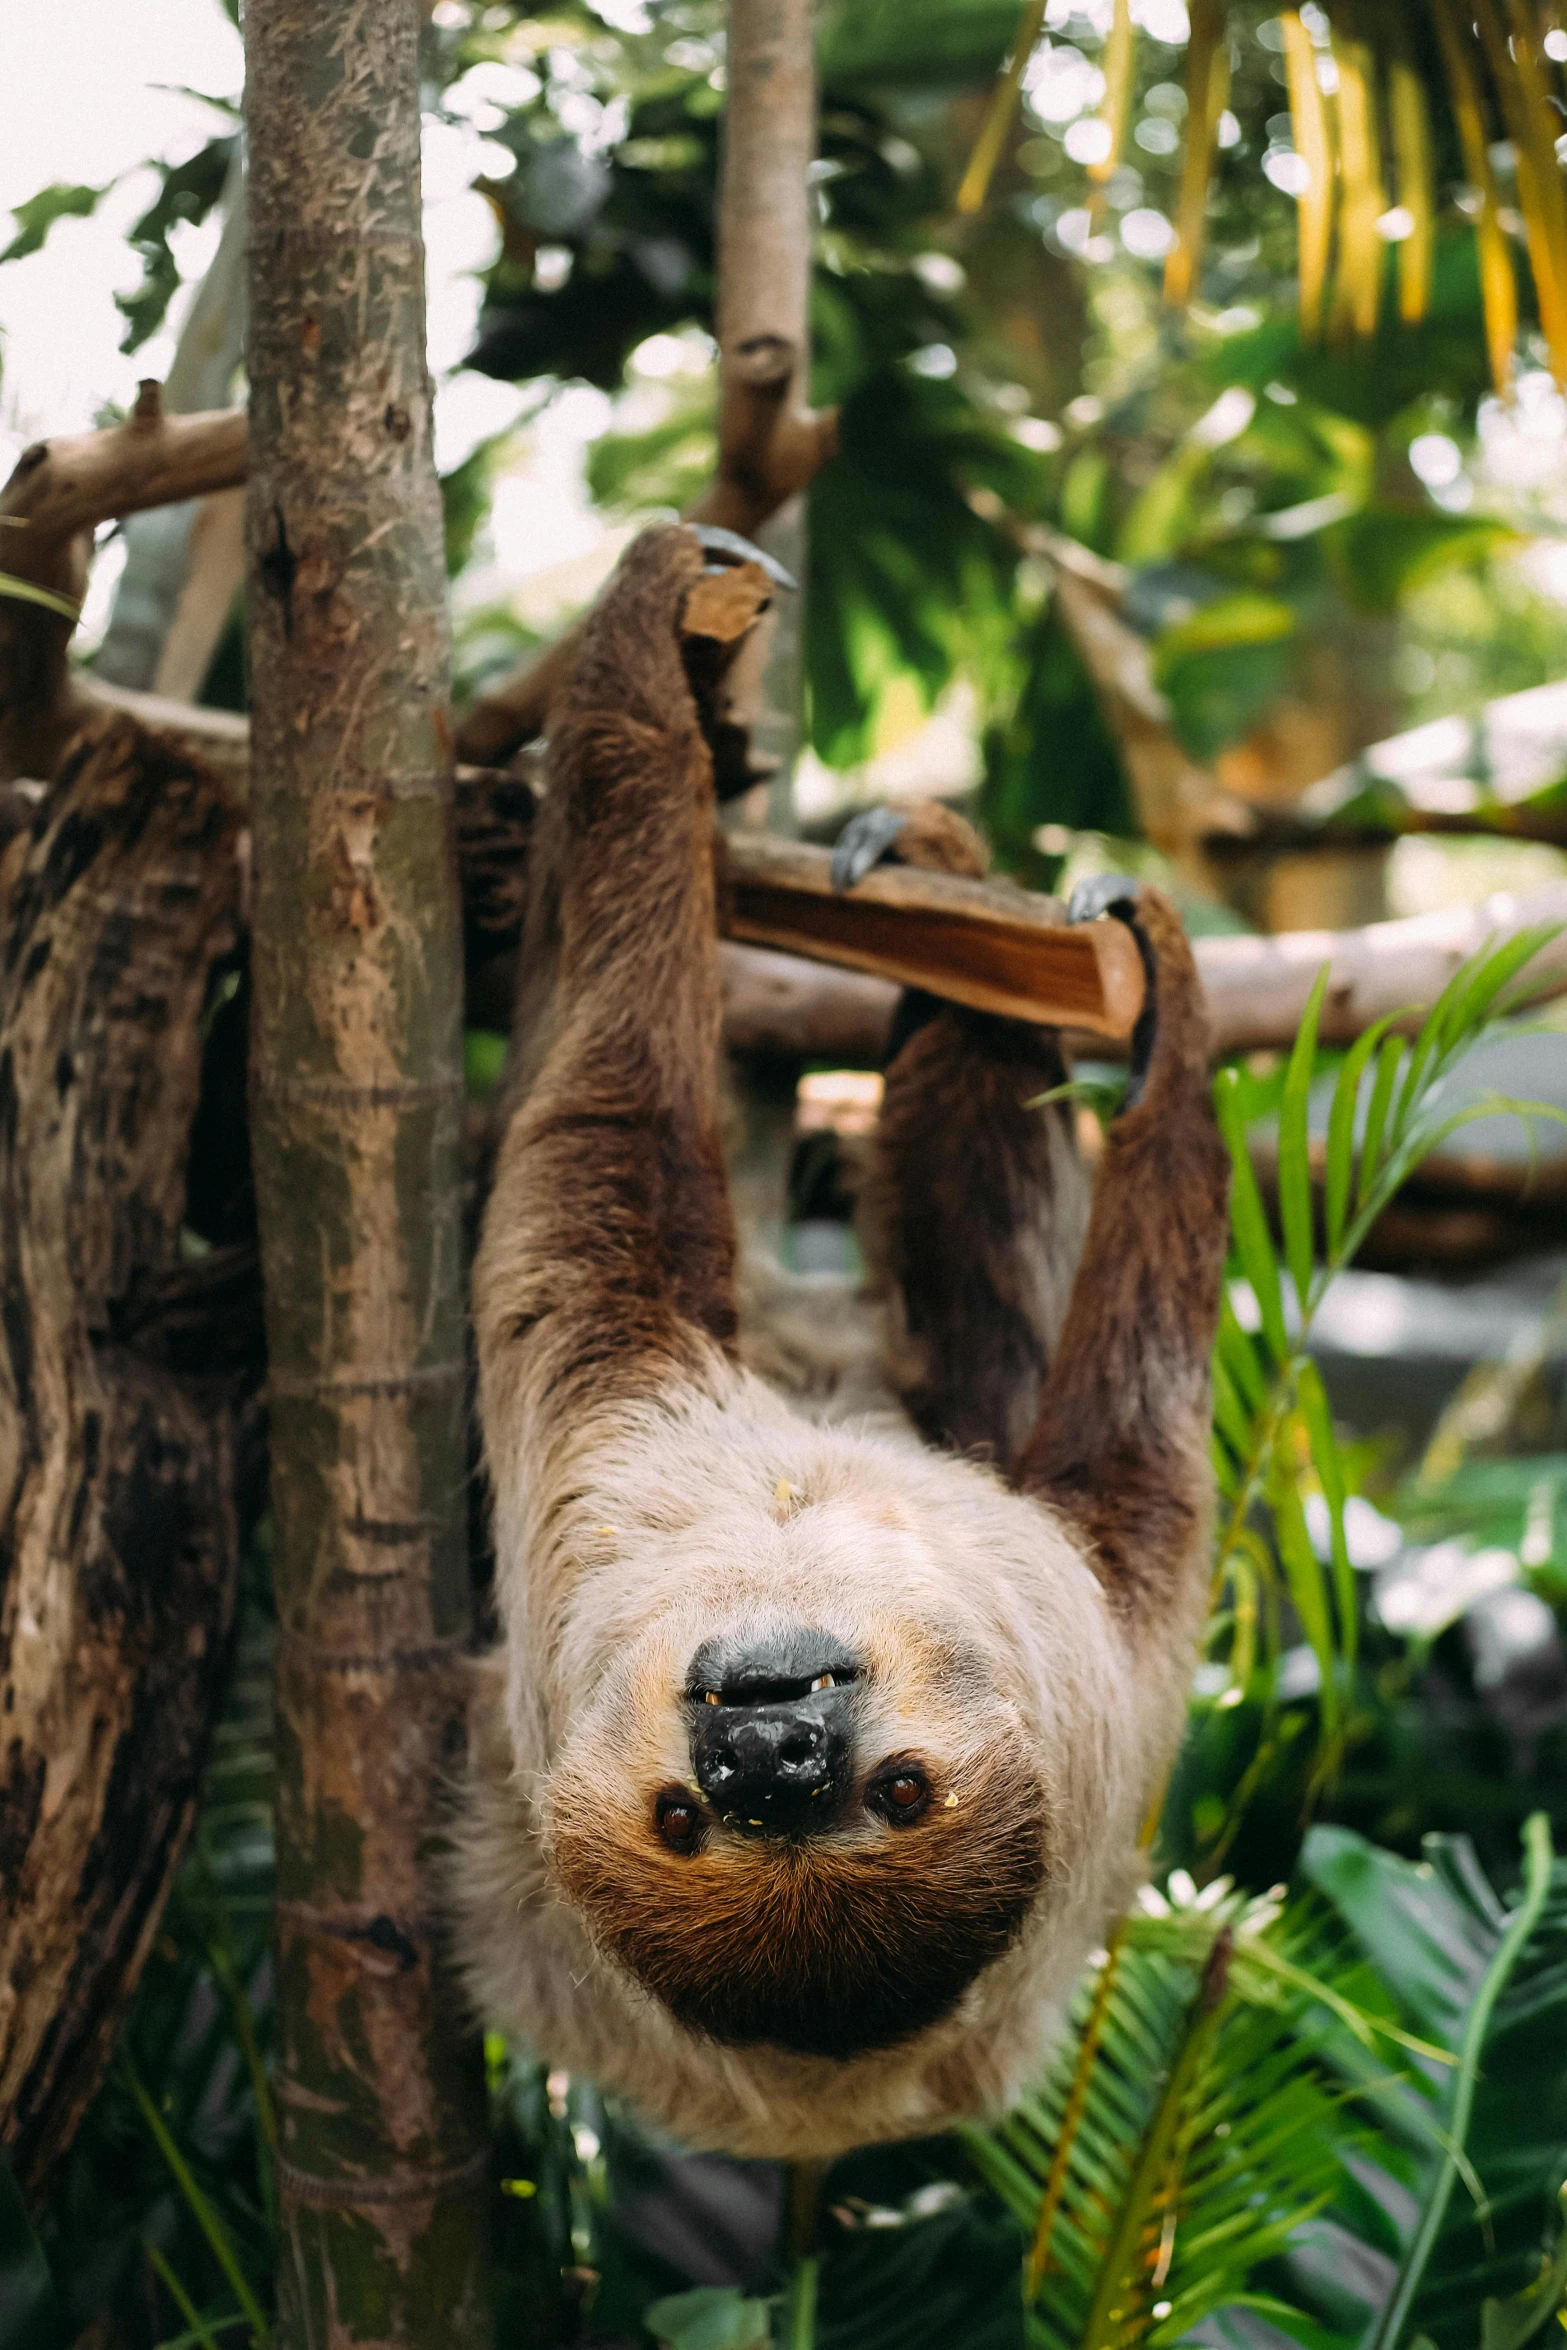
point(81, 103)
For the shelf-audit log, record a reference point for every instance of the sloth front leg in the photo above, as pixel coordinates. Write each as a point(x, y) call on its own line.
point(606, 1266)
point(1121, 1445)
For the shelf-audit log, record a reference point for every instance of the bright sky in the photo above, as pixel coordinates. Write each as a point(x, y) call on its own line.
point(89, 89)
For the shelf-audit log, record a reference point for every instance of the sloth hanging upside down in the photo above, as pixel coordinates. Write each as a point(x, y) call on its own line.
point(811, 1763)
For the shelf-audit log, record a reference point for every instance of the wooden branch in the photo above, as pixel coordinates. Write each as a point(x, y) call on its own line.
point(1257, 987)
point(56, 497)
point(986, 944)
point(118, 1528)
point(771, 445)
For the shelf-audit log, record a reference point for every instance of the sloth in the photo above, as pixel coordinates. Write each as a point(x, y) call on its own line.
point(812, 1760)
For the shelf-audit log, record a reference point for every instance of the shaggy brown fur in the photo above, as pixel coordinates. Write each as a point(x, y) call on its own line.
point(1021, 1597)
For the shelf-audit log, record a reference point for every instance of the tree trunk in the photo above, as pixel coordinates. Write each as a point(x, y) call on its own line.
point(118, 1530)
point(356, 1107)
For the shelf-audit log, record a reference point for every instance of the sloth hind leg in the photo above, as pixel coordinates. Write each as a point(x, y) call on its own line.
point(1121, 1446)
point(976, 1201)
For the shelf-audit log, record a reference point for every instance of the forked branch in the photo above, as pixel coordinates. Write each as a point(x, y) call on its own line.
point(58, 494)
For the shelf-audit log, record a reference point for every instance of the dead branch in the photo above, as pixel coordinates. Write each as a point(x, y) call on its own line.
point(58, 494)
point(118, 1511)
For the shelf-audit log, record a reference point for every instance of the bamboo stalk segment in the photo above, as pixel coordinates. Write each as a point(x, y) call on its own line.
point(985, 944)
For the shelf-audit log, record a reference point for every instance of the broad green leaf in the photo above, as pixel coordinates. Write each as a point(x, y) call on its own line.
point(1382, 552)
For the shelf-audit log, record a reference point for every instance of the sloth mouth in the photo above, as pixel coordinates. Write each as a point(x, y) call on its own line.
point(773, 1668)
point(750, 1691)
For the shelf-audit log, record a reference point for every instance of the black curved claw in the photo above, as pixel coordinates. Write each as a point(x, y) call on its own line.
point(731, 548)
point(1114, 893)
point(1103, 893)
point(863, 843)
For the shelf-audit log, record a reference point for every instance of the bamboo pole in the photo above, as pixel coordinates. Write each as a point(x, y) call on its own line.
point(356, 1097)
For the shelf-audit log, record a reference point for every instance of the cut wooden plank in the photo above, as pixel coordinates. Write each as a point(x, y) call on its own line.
point(986, 944)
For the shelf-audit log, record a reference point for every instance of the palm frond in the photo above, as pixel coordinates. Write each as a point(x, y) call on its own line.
point(1272, 1424)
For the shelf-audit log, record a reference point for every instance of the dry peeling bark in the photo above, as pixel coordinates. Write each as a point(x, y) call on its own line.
point(356, 1101)
point(118, 1530)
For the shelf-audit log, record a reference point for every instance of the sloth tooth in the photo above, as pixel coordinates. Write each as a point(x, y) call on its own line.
point(711, 1696)
point(822, 1681)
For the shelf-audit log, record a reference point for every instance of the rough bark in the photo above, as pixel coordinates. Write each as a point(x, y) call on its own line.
point(57, 495)
point(118, 1533)
point(356, 1101)
point(771, 445)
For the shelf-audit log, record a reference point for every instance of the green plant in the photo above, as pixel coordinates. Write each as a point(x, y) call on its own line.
point(1272, 1423)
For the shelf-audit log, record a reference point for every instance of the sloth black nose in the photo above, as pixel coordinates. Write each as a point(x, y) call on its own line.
point(773, 1770)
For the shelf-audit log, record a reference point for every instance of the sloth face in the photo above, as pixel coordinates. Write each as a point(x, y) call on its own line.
point(806, 1839)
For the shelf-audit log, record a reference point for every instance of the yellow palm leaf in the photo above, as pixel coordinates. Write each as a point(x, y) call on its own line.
point(1519, 69)
point(1207, 95)
point(1314, 146)
point(1412, 157)
point(1498, 288)
point(1118, 89)
point(1358, 293)
point(975, 185)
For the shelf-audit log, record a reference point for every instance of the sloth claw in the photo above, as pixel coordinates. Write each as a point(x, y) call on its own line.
point(728, 548)
point(1104, 893)
point(1116, 894)
point(863, 843)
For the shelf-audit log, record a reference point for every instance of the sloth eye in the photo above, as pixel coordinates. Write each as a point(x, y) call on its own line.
point(679, 1822)
point(900, 1795)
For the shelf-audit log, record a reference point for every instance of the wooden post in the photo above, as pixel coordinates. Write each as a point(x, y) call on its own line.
point(356, 1090)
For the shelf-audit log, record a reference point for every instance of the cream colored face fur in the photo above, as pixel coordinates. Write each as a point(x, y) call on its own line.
point(989, 1652)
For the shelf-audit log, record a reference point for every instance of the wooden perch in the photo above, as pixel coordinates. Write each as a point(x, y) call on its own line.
point(58, 494)
point(771, 445)
point(986, 944)
point(119, 1435)
point(1256, 987)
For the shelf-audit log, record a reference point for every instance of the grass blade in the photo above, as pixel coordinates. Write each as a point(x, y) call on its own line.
point(1249, 1223)
point(1295, 1145)
point(201, 2210)
point(1389, 1054)
point(1318, 1421)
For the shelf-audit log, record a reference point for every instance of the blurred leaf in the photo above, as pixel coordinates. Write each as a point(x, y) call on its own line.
point(37, 216)
point(917, 43)
point(712, 2317)
point(188, 192)
point(1381, 553)
point(30, 2315)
